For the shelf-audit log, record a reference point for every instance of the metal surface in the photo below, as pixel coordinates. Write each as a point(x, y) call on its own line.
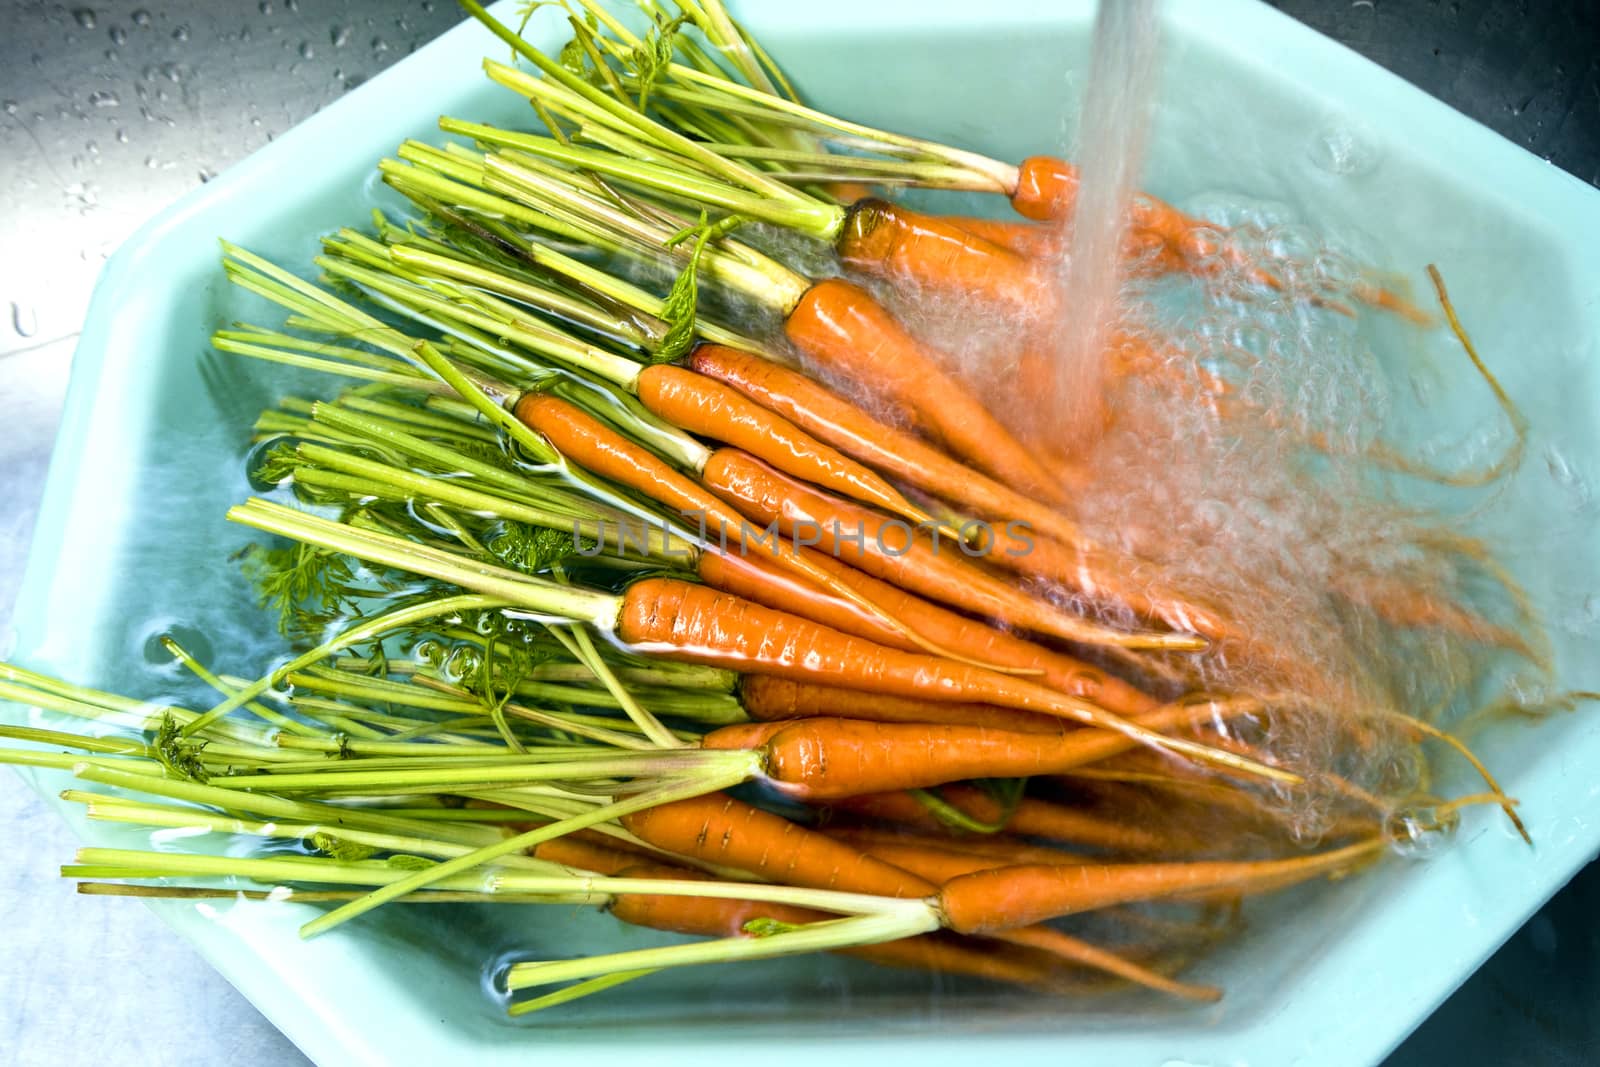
point(109, 111)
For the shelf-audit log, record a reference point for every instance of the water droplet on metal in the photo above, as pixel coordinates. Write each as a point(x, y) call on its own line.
point(84, 16)
point(10, 107)
point(119, 36)
point(92, 147)
point(122, 136)
point(265, 7)
point(306, 51)
point(104, 98)
point(379, 45)
point(23, 320)
point(181, 33)
point(291, 5)
point(150, 161)
point(340, 36)
point(206, 174)
point(141, 17)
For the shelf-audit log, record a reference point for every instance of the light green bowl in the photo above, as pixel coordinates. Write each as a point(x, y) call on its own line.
point(131, 540)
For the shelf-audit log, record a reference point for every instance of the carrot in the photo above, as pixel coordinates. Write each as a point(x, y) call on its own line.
point(940, 867)
point(709, 408)
point(992, 850)
point(728, 832)
point(569, 851)
point(780, 591)
point(893, 551)
point(846, 332)
point(1046, 189)
point(1066, 552)
point(776, 700)
point(773, 700)
point(721, 917)
point(587, 442)
point(1023, 238)
point(676, 620)
point(844, 425)
point(826, 759)
point(1031, 817)
point(719, 829)
point(1011, 897)
point(906, 246)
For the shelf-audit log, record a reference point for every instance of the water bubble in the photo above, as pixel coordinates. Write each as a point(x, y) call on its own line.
point(379, 45)
point(206, 174)
point(10, 107)
point(84, 16)
point(92, 147)
point(1420, 832)
point(340, 36)
point(104, 98)
point(429, 651)
point(122, 136)
point(141, 17)
point(151, 162)
point(291, 5)
point(1567, 477)
point(24, 320)
point(119, 36)
point(265, 7)
point(1339, 148)
point(181, 33)
point(306, 51)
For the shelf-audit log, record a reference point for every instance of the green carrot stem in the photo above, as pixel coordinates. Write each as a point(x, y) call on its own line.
point(527, 768)
point(106, 746)
point(322, 366)
point(913, 918)
point(793, 210)
point(332, 817)
point(522, 842)
point(261, 711)
point(575, 991)
point(271, 519)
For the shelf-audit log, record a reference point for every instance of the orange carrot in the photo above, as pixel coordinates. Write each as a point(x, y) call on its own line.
point(994, 850)
point(721, 917)
point(844, 425)
point(775, 700)
point(783, 592)
point(585, 441)
point(893, 551)
point(1011, 897)
point(909, 247)
point(709, 408)
point(825, 759)
point(940, 866)
point(1023, 238)
point(846, 332)
point(1047, 190)
point(718, 829)
point(1031, 817)
point(691, 623)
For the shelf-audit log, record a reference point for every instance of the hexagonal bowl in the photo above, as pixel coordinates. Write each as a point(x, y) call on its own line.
point(131, 540)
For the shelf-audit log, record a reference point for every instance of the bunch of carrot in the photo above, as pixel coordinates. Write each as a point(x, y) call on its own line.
point(822, 571)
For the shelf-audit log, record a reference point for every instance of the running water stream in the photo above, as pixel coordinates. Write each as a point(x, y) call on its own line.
point(1112, 131)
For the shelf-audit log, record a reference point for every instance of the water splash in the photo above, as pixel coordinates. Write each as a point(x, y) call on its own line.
point(1111, 144)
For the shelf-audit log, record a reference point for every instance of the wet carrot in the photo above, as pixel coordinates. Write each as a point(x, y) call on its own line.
point(846, 332)
point(691, 623)
point(911, 248)
point(844, 425)
point(783, 592)
point(1022, 238)
point(721, 917)
point(707, 407)
point(587, 442)
point(719, 829)
point(774, 700)
point(1031, 817)
point(825, 759)
point(1011, 897)
point(895, 552)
